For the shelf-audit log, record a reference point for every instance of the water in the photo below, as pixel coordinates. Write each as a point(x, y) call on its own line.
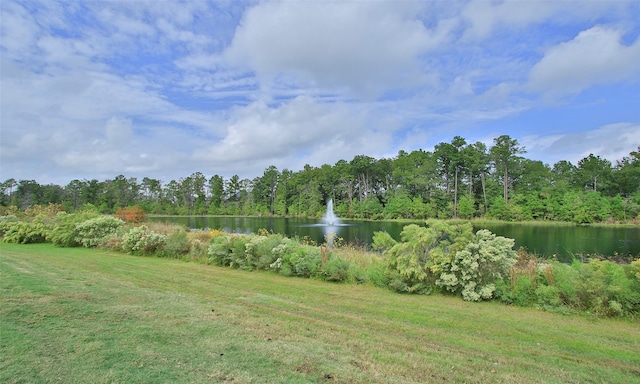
point(545, 240)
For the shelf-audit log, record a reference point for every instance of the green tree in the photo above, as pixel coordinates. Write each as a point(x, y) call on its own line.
point(594, 172)
point(216, 190)
point(504, 155)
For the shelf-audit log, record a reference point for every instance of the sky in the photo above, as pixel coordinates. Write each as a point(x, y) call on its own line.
point(164, 89)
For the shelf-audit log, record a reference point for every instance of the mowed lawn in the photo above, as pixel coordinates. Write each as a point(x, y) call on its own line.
point(74, 315)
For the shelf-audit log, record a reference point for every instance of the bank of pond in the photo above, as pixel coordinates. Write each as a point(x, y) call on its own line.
point(426, 258)
point(562, 241)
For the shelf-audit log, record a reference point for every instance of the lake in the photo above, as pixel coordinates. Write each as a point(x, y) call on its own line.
point(564, 241)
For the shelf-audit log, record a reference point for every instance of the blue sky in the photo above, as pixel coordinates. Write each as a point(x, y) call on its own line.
point(95, 89)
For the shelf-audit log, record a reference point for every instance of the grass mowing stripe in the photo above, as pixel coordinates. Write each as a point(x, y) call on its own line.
point(87, 315)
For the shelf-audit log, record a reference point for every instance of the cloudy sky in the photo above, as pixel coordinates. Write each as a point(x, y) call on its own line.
point(95, 89)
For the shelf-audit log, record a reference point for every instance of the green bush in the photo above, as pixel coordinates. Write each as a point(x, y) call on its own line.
point(335, 269)
point(64, 232)
point(548, 296)
point(141, 241)
point(415, 263)
point(604, 288)
point(21, 232)
point(228, 251)
point(376, 275)
point(6, 222)
point(382, 241)
point(474, 270)
point(259, 251)
point(566, 280)
point(176, 245)
point(219, 252)
point(295, 259)
point(524, 292)
point(95, 231)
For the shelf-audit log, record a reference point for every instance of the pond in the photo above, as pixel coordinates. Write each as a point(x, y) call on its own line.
point(546, 240)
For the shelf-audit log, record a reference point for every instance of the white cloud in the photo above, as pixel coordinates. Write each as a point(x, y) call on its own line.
point(367, 47)
point(594, 56)
point(299, 131)
point(484, 16)
point(611, 141)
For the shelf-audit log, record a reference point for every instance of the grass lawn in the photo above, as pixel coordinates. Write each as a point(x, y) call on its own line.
point(74, 315)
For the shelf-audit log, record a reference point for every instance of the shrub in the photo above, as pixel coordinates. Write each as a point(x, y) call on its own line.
point(474, 270)
point(295, 259)
point(21, 232)
point(176, 244)
point(64, 232)
point(602, 282)
point(6, 222)
point(141, 241)
point(415, 263)
point(524, 292)
point(228, 251)
point(94, 232)
point(133, 214)
point(376, 275)
point(259, 251)
point(566, 280)
point(548, 296)
point(335, 269)
point(382, 241)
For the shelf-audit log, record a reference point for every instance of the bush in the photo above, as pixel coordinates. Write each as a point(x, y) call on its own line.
point(259, 251)
point(474, 270)
point(382, 241)
point(548, 296)
point(566, 280)
point(64, 232)
point(6, 222)
point(141, 241)
point(176, 245)
point(335, 269)
point(133, 214)
point(415, 263)
point(228, 251)
point(94, 232)
point(295, 259)
point(524, 292)
point(21, 232)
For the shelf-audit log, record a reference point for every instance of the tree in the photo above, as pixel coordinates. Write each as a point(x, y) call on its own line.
point(504, 157)
point(7, 191)
point(477, 163)
point(216, 190)
point(627, 174)
point(594, 172)
point(264, 188)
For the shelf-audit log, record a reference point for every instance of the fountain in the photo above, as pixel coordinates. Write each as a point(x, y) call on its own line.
point(329, 223)
point(330, 219)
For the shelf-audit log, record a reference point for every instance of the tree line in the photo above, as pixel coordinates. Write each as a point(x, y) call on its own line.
point(456, 180)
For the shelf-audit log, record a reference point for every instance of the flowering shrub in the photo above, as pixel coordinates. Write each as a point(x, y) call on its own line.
point(64, 232)
point(474, 270)
point(94, 232)
point(141, 241)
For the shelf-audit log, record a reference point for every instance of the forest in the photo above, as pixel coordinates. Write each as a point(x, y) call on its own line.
point(457, 180)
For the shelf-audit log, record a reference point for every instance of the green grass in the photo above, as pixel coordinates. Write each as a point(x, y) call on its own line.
point(77, 315)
